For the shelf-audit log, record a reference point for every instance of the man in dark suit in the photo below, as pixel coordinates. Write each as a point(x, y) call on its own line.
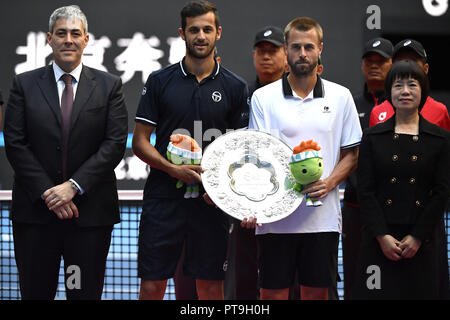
point(65, 132)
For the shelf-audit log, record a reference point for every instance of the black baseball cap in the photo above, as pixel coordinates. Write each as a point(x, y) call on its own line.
point(410, 44)
point(379, 45)
point(270, 34)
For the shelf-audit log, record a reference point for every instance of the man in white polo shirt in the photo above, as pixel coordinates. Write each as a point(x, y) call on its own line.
point(299, 107)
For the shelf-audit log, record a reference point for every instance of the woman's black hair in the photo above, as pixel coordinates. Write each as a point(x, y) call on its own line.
point(405, 69)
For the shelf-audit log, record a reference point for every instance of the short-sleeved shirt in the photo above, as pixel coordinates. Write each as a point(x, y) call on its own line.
point(328, 116)
point(434, 111)
point(175, 102)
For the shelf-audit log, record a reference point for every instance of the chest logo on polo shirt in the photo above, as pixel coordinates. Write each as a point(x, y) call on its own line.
point(382, 116)
point(326, 109)
point(216, 96)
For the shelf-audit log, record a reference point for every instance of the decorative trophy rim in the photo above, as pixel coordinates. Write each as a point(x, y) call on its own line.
point(247, 174)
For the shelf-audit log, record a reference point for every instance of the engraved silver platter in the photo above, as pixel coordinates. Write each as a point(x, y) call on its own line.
point(247, 174)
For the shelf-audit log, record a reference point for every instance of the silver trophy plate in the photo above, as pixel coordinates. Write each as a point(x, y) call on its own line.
point(247, 175)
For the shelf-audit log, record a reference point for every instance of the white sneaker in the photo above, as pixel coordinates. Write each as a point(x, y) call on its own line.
point(195, 194)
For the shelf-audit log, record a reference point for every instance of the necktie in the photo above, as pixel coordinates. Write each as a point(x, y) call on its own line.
point(66, 112)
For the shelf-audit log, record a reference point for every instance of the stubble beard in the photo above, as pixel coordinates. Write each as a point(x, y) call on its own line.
point(302, 71)
point(194, 54)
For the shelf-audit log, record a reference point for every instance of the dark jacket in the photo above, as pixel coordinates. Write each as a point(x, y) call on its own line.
point(96, 144)
point(404, 179)
point(252, 87)
point(364, 104)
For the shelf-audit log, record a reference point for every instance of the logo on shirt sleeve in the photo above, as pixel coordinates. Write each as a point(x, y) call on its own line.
point(144, 91)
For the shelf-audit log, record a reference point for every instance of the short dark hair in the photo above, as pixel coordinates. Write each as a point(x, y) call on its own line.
point(405, 69)
point(303, 24)
point(198, 8)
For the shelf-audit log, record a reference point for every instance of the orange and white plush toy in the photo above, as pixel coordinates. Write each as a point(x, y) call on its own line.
point(181, 150)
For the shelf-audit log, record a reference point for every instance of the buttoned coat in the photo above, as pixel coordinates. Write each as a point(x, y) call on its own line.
point(96, 144)
point(404, 179)
point(403, 185)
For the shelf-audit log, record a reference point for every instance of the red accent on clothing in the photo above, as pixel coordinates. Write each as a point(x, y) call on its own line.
point(432, 110)
point(375, 98)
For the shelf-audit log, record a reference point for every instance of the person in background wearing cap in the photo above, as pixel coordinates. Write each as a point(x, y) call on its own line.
point(433, 111)
point(269, 59)
point(376, 63)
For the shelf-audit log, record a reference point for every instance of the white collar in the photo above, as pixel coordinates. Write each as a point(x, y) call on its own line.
point(75, 72)
point(310, 95)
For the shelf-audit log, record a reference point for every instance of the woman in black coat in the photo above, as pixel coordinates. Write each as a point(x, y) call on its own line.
point(403, 185)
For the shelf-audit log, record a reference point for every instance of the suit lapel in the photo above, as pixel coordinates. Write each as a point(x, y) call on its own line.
point(47, 84)
point(85, 88)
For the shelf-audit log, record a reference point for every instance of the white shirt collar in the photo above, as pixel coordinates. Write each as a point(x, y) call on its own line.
point(75, 72)
point(310, 95)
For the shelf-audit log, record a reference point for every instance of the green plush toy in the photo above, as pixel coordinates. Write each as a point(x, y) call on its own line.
point(181, 150)
point(306, 166)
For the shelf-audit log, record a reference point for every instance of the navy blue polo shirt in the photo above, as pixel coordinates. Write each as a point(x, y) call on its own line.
point(175, 102)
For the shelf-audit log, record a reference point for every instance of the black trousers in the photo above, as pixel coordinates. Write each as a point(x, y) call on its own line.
point(351, 241)
point(38, 250)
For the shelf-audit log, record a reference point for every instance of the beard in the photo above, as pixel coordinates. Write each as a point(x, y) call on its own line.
point(191, 51)
point(304, 69)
